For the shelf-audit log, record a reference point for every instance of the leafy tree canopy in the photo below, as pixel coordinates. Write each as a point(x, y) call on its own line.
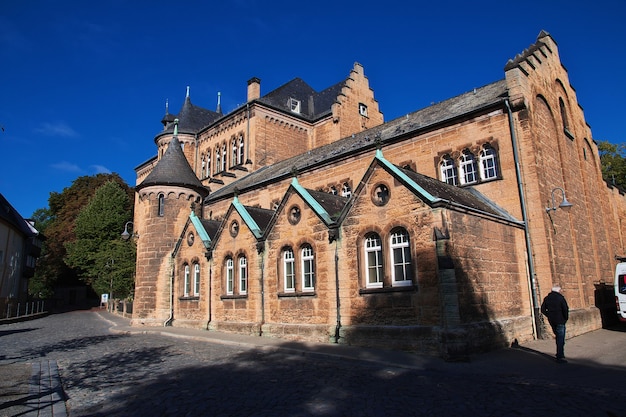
point(613, 163)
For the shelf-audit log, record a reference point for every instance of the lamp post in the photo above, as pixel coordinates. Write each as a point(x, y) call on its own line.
point(565, 205)
point(126, 234)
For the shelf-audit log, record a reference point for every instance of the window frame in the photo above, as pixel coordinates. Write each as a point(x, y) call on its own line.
point(196, 279)
point(468, 168)
point(378, 265)
point(403, 247)
point(243, 274)
point(488, 156)
point(186, 281)
point(289, 270)
point(230, 276)
point(307, 265)
point(448, 170)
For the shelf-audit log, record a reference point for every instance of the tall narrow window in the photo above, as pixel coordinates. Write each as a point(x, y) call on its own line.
point(488, 166)
point(187, 282)
point(240, 153)
point(161, 208)
point(289, 272)
point(218, 159)
point(447, 171)
point(308, 269)
point(400, 258)
point(224, 154)
point(564, 115)
point(373, 261)
point(230, 277)
point(243, 275)
point(208, 164)
point(196, 279)
point(468, 168)
point(202, 170)
point(234, 162)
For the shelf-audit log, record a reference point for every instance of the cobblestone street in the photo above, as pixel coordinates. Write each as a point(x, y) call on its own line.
point(112, 374)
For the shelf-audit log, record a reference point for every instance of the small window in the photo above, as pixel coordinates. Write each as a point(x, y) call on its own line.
point(488, 165)
point(218, 159)
point(346, 191)
point(234, 161)
point(289, 273)
point(223, 157)
point(243, 275)
point(294, 105)
point(447, 170)
point(308, 268)
point(240, 151)
point(161, 208)
point(373, 261)
point(230, 277)
point(362, 109)
point(469, 171)
point(196, 279)
point(380, 195)
point(187, 282)
point(400, 258)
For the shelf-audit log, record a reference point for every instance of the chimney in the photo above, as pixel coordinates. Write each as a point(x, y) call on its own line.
point(254, 88)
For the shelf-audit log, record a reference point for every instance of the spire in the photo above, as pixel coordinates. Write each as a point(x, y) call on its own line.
point(219, 103)
point(187, 96)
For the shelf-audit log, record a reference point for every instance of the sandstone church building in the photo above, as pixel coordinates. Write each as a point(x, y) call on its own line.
point(303, 215)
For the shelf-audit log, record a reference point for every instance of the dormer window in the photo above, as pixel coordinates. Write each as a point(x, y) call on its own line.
point(294, 105)
point(362, 109)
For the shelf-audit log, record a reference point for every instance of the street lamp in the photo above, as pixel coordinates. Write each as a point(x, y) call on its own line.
point(126, 235)
point(565, 205)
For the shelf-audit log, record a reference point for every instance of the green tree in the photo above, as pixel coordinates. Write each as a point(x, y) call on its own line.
point(613, 163)
point(100, 257)
point(57, 225)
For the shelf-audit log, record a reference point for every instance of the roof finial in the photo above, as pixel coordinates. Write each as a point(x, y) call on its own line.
point(175, 127)
point(219, 102)
point(167, 106)
point(187, 92)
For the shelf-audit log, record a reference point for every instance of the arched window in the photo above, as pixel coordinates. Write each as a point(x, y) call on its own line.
point(289, 270)
point(234, 161)
point(196, 279)
point(243, 275)
point(218, 159)
point(187, 282)
point(223, 157)
point(208, 164)
point(240, 155)
point(333, 190)
point(230, 276)
point(488, 163)
point(447, 170)
point(373, 261)
point(468, 168)
point(161, 205)
point(564, 115)
point(346, 191)
point(308, 268)
point(203, 168)
point(400, 258)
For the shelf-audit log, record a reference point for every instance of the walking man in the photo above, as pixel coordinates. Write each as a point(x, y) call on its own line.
point(555, 308)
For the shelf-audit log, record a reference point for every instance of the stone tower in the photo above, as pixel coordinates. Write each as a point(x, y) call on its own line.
point(164, 200)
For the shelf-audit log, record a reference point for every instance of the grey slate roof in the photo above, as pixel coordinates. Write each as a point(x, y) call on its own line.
point(191, 119)
point(333, 204)
point(421, 120)
point(173, 169)
point(261, 216)
point(211, 227)
point(313, 105)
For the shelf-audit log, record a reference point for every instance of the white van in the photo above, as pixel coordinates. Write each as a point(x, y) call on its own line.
point(620, 289)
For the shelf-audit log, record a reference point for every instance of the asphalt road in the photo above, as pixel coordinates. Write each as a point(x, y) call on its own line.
point(106, 373)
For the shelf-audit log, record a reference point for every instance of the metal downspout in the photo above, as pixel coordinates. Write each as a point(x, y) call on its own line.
point(168, 322)
point(536, 307)
point(262, 294)
point(338, 325)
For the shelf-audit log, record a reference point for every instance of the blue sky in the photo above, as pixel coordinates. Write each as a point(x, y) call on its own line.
point(83, 85)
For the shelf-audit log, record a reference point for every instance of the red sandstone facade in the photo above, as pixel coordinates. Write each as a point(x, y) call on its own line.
point(315, 220)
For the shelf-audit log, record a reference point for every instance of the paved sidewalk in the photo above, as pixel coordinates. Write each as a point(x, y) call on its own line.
point(598, 357)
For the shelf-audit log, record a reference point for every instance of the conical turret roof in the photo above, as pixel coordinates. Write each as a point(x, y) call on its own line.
point(173, 169)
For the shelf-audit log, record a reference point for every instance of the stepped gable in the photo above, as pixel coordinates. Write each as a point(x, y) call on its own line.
point(519, 58)
point(412, 123)
point(313, 105)
point(173, 169)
